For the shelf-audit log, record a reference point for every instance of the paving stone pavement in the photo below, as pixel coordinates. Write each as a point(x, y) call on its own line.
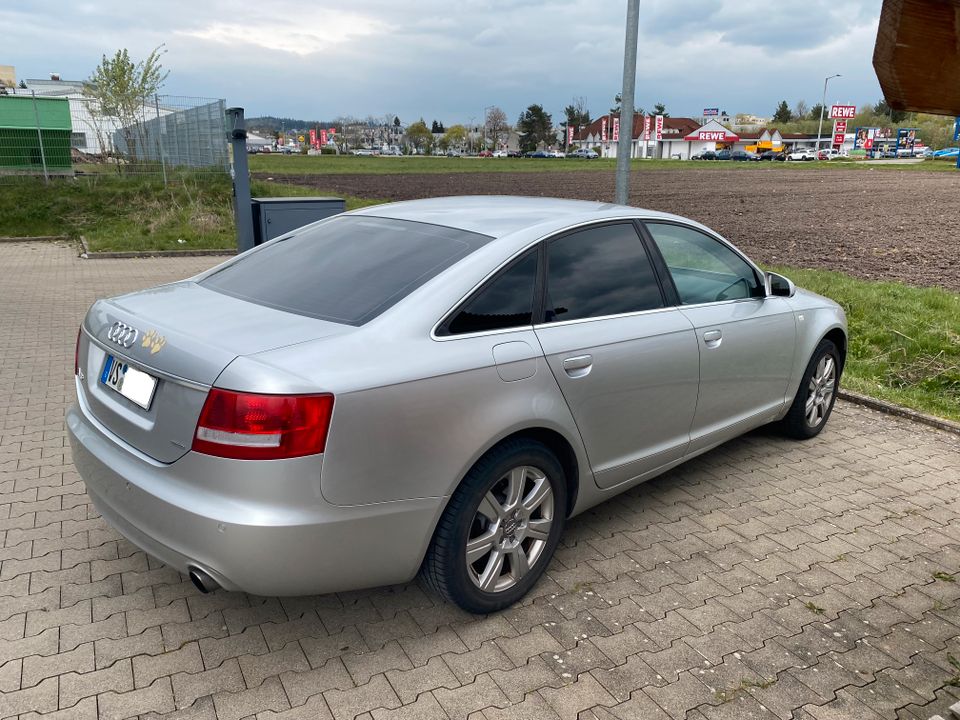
point(766, 579)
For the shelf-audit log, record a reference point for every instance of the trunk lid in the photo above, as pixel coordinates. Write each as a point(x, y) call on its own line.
point(183, 335)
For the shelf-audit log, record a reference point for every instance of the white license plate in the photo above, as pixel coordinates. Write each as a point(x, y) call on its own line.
point(133, 384)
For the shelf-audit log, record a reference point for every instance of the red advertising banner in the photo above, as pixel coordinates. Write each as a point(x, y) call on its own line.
point(603, 129)
point(332, 131)
point(616, 129)
point(313, 137)
point(839, 126)
point(569, 134)
point(838, 139)
point(323, 137)
point(646, 127)
point(844, 112)
point(659, 127)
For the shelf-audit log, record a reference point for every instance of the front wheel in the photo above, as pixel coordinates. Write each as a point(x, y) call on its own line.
point(814, 400)
point(500, 529)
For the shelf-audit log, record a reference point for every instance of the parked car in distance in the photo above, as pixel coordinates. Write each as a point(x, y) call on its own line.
point(770, 155)
point(743, 156)
point(950, 152)
point(514, 154)
point(365, 152)
point(724, 155)
point(501, 153)
point(828, 154)
point(539, 154)
point(705, 155)
point(584, 154)
point(801, 154)
point(454, 153)
point(432, 387)
point(485, 154)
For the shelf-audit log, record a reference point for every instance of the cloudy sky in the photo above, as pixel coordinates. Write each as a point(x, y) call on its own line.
point(449, 60)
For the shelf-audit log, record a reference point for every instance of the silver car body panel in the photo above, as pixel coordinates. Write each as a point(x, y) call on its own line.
point(413, 411)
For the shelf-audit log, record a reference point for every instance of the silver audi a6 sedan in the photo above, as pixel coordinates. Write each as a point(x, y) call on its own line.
point(432, 386)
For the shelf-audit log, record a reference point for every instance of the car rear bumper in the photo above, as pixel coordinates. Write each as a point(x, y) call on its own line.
point(287, 541)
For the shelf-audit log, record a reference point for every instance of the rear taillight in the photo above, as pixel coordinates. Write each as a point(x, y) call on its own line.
point(76, 353)
point(245, 426)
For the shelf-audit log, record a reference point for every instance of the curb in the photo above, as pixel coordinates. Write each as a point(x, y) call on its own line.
point(891, 409)
point(87, 254)
point(35, 238)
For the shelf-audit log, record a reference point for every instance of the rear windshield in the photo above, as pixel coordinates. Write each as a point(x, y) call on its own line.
point(347, 270)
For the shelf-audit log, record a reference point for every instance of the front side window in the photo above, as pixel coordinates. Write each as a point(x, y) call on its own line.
point(703, 269)
point(504, 302)
point(599, 271)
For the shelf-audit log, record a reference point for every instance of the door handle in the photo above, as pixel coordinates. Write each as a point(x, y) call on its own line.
point(578, 366)
point(712, 338)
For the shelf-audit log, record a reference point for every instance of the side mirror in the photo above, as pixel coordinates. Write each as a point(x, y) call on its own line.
point(780, 286)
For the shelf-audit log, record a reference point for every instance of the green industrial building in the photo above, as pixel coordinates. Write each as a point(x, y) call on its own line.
point(20, 141)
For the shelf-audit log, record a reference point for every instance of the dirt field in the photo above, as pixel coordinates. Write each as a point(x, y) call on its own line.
point(875, 224)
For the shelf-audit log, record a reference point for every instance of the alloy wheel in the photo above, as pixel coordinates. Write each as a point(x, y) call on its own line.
point(820, 391)
point(510, 529)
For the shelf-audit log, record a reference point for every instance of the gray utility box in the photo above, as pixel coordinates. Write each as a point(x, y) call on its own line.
point(275, 216)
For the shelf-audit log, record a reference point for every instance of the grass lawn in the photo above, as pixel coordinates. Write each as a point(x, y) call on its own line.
point(904, 341)
point(276, 164)
point(115, 213)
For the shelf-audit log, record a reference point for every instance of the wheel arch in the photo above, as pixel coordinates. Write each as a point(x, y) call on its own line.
point(838, 337)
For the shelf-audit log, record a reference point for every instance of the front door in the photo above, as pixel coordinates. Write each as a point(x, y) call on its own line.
point(746, 340)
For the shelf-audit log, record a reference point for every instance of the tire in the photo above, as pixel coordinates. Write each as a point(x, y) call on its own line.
point(820, 381)
point(512, 538)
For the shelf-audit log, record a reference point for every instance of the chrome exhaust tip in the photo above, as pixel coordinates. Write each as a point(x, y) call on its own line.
point(202, 580)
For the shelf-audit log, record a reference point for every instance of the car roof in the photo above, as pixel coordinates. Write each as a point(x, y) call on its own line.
point(501, 215)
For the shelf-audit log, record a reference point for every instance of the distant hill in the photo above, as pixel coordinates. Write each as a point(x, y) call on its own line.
point(270, 124)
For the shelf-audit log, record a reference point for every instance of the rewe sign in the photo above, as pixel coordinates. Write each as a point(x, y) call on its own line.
point(717, 135)
point(843, 112)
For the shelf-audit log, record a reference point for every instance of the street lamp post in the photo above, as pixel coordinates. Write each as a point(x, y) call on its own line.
point(485, 110)
point(823, 103)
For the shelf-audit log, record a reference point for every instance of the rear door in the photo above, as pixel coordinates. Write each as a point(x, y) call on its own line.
point(626, 363)
point(746, 339)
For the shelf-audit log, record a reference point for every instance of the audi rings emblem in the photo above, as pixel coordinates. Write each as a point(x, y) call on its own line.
point(122, 334)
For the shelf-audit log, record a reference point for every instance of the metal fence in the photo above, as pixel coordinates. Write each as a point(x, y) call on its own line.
point(60, 131)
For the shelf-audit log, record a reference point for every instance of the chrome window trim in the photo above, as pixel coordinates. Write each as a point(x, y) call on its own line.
point(635, 313)
point(526, 248)
point(168, 377)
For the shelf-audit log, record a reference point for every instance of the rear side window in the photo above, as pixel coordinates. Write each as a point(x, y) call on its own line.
point(347, 270)
point(504, 302)
point(703, 269)
point(599, 271)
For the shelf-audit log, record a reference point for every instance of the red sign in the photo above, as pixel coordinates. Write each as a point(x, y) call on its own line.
point(616, 129)
point(323, 137)
point(868, 144)
point(569, 134)
point(839, 126)
point(846, 112)
point(332, 131)
point(646, 127)
point(838, 139)
point(313, 137)
point(718, 135)
point(603, 129)
point(659, 127)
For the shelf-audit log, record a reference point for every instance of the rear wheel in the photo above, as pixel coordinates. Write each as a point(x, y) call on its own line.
point(813, 403)
point(500, 529)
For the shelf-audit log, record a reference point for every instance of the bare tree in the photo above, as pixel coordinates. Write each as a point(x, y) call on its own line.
point(497, 127)
point(800, 110)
